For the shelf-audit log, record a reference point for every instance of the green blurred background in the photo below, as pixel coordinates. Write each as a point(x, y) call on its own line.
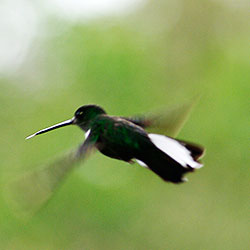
point(130, 59)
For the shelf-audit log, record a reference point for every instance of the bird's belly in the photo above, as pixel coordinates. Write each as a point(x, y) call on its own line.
point(115, 152)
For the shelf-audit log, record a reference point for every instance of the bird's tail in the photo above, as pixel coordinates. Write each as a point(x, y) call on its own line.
point(171, 159)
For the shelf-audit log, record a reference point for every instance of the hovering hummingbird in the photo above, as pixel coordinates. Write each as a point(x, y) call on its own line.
point(126, 139)
point(141, 138)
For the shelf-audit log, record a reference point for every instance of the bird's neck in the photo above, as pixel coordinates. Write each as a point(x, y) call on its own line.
point(87, 125)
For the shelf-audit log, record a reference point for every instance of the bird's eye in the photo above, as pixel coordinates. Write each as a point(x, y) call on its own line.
point(80, 113)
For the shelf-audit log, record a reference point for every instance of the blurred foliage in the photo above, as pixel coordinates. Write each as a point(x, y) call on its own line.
point(162, 54)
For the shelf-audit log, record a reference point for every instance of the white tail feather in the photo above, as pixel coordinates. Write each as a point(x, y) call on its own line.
point(175, 150)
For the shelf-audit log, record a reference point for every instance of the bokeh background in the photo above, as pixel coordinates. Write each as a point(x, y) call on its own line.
point(130, 57)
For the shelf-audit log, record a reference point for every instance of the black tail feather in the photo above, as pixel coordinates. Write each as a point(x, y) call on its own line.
point(197, 151)
point(168, 168)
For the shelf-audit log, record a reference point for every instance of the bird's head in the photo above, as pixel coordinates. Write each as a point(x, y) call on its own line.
point(82, 118)
point(86, 114)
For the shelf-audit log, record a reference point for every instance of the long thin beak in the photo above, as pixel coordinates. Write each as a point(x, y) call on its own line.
point(59, 125)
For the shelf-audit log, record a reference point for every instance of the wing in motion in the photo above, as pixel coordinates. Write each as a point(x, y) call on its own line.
point(168, 122)
point(30, 192)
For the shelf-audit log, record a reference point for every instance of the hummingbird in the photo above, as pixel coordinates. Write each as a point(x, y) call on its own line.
point(148, 140)
point(126, 139)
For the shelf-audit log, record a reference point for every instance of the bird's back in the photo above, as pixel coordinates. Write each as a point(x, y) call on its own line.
point(119, 138)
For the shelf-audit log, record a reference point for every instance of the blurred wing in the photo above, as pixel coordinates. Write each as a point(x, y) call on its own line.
point(30, 192)
point(168, 122)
